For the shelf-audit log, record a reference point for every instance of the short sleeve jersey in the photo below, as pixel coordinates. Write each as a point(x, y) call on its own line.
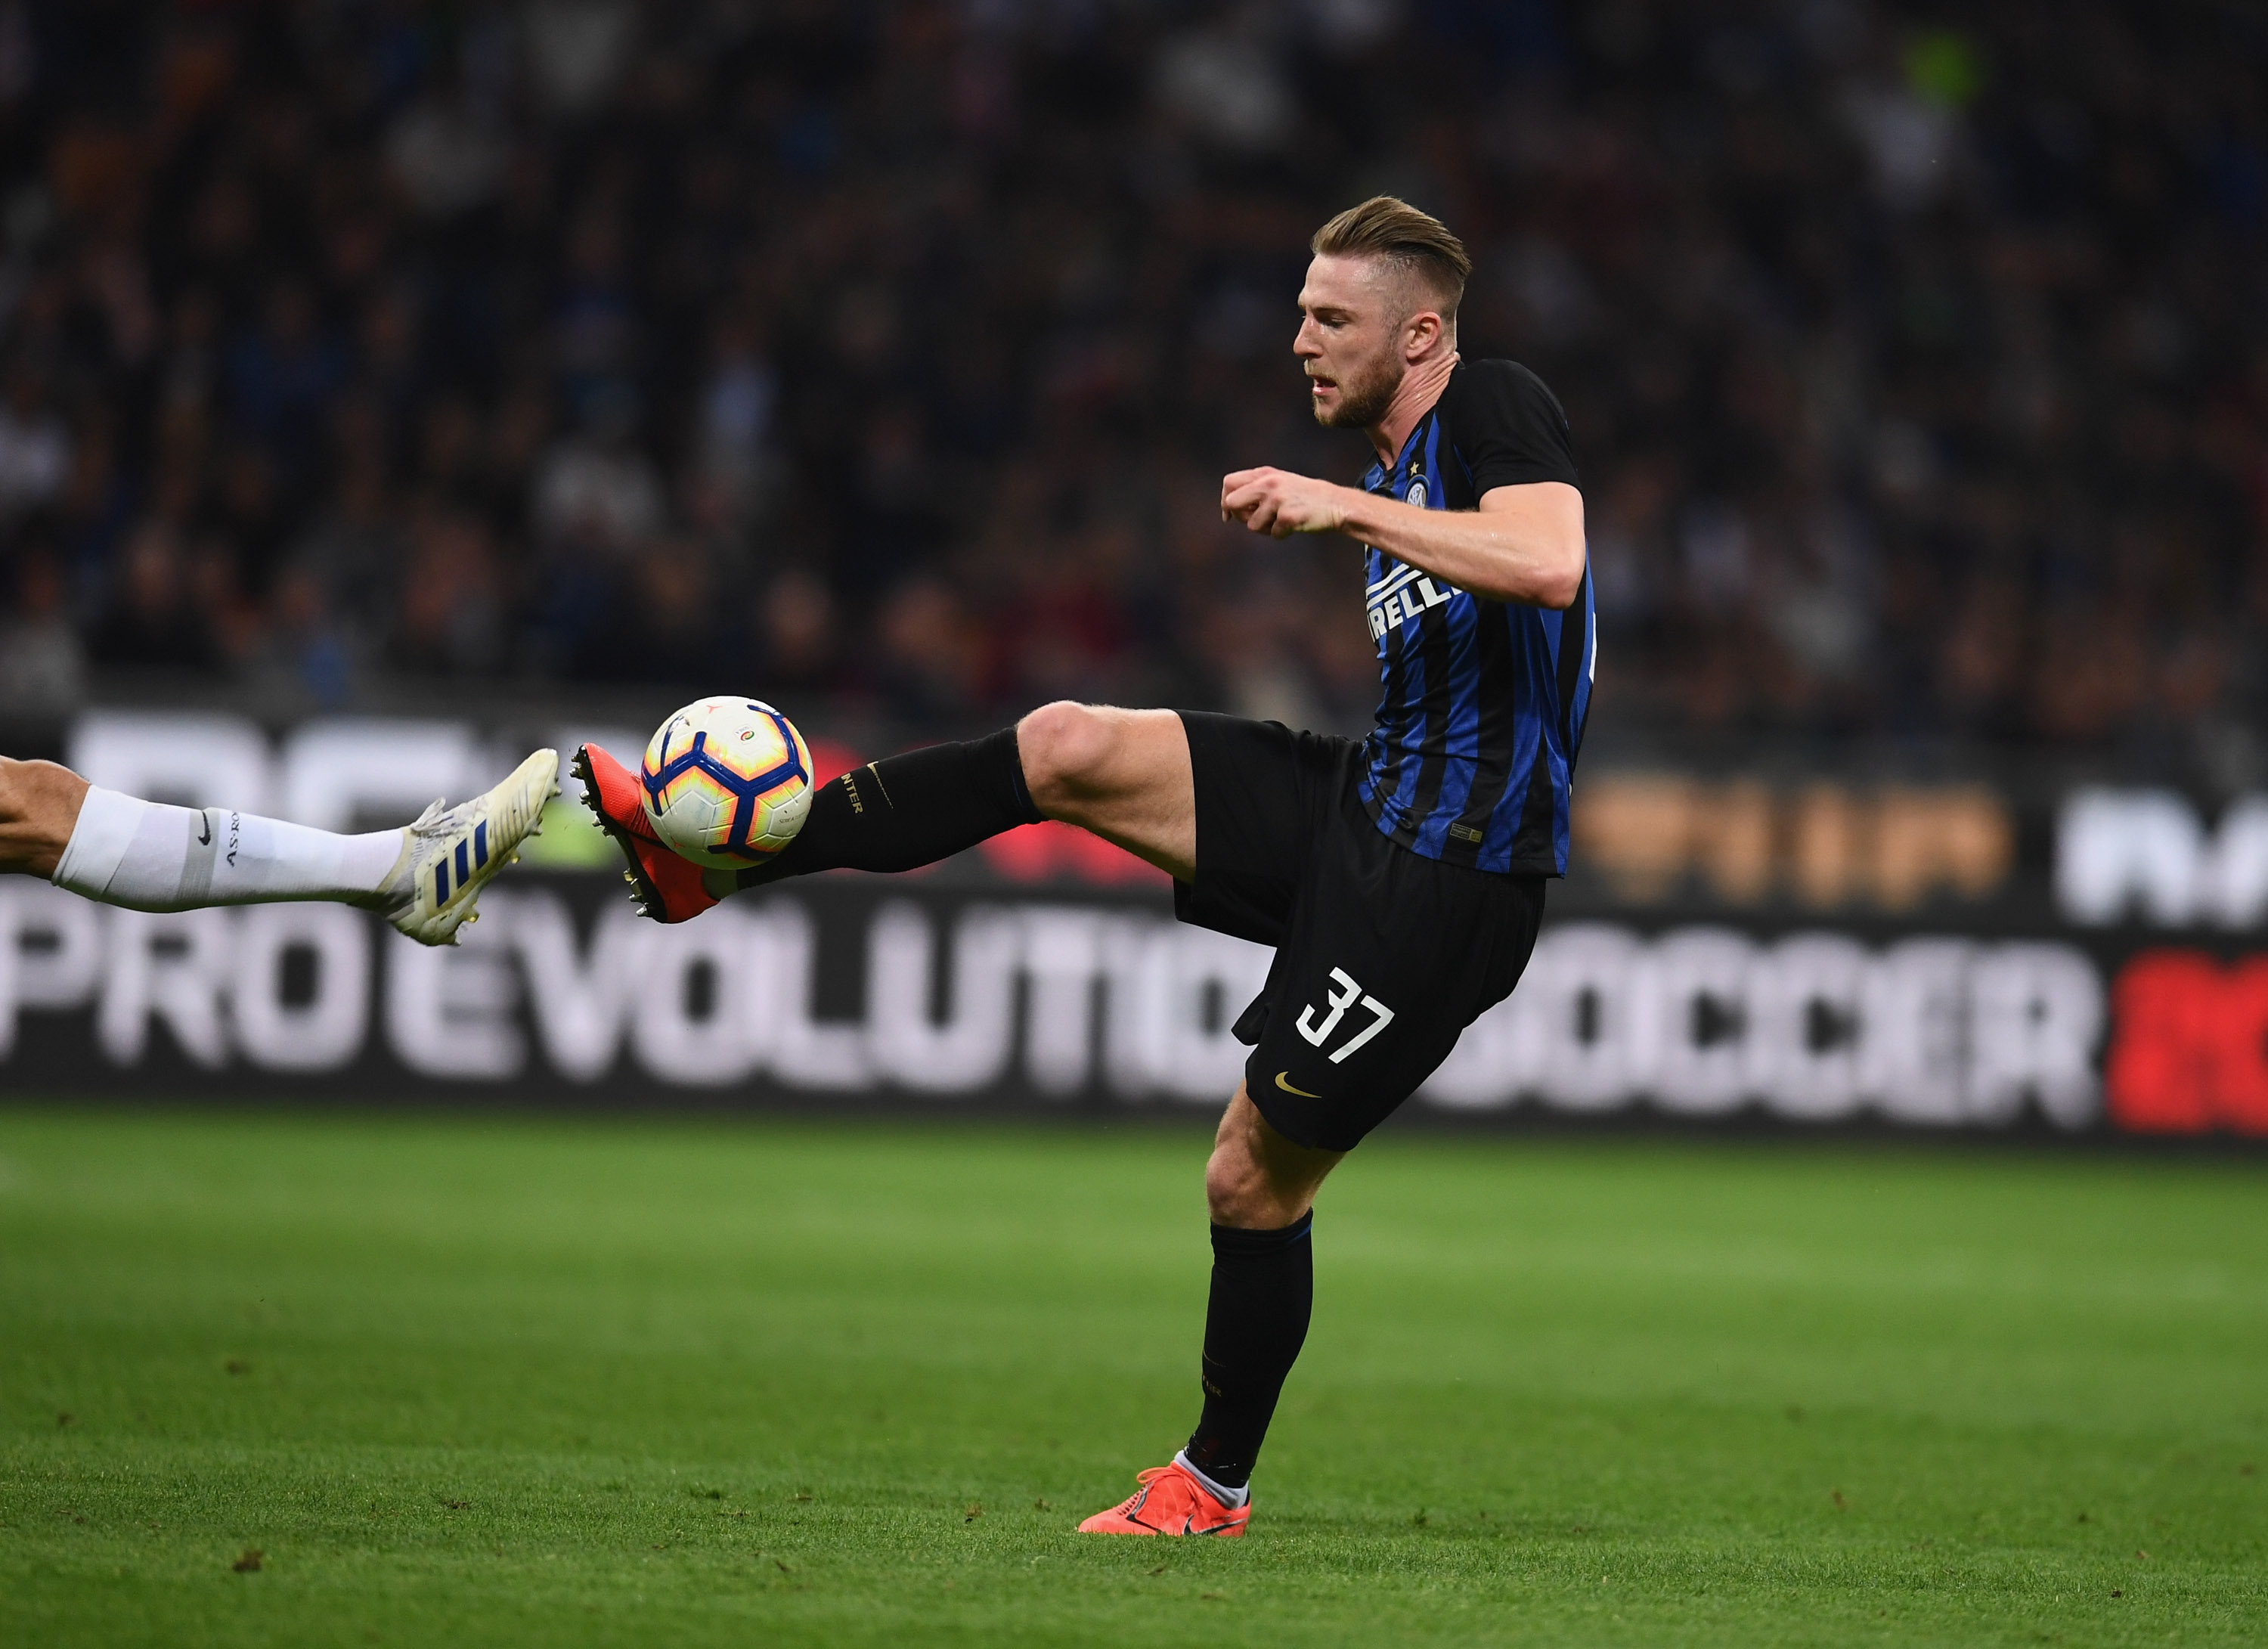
point(1481, 702)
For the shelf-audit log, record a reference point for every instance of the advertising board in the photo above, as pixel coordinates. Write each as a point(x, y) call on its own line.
point(1045, 971)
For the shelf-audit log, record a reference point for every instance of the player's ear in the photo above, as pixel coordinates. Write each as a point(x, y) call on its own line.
point(1420, 332)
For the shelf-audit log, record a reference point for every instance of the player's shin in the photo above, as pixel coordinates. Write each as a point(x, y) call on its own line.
point(148, 856)
point(1263, 1291)
point(903, 811)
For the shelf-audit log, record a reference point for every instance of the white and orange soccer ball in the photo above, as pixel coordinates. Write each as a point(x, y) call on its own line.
point(726, 781)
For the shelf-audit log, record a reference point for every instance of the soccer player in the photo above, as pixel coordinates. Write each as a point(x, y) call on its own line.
point(1400, 877)
point(423, 878)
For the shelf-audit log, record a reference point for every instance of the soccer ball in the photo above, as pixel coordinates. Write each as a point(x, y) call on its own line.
point(727, 782)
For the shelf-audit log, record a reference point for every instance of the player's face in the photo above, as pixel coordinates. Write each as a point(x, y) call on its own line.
point(1349, 340)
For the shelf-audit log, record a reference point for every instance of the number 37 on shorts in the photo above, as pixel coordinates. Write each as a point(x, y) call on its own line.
point(1319, 1026)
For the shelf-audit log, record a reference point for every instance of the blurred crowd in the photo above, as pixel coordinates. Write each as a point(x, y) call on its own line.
point(890, 353)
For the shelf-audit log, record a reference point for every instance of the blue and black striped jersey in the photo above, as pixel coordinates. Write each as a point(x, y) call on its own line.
point(1482, 703)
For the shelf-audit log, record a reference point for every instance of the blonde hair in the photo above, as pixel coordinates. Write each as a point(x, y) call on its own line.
point(1415, 242)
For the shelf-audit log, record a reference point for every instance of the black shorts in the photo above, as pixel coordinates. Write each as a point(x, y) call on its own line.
point(1382, 956)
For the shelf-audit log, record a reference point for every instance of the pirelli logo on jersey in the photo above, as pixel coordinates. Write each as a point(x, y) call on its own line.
point(1405, 593)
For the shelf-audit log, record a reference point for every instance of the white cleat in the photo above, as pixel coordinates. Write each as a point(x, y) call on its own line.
point(448, 855)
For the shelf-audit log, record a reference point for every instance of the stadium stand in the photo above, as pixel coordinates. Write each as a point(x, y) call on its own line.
point(888, 354)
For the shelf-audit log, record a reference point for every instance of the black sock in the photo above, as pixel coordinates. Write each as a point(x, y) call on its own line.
point(1263, 1290)
point(909, 810)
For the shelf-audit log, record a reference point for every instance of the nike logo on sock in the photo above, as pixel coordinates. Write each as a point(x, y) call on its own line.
point(1288, 1088)
point(205, 829)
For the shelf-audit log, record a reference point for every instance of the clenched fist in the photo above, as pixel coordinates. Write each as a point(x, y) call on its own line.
point(1278, 502)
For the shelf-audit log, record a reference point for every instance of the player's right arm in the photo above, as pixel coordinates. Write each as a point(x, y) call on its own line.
point(1524, 544)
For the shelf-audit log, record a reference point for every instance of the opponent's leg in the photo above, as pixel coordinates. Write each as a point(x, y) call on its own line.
point(1122, 774)
point(149, 856)
point(39, 806)
point(1261, 1189)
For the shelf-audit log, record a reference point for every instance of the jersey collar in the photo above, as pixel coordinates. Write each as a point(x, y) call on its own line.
point(1378, 475)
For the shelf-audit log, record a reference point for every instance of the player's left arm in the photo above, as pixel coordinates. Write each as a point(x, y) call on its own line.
point(1525, 543)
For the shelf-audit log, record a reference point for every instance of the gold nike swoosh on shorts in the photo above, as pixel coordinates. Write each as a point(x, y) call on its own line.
point(1288, 1088)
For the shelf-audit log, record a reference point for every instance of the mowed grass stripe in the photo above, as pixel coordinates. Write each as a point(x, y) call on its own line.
point(520, 1381)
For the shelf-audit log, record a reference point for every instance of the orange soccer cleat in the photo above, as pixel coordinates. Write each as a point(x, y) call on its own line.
point(1170, 1501)
point(664, 886)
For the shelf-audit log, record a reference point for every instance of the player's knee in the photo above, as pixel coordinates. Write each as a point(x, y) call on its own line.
point(1240, 1191)
point(1062, 747)
point(1231, 1178)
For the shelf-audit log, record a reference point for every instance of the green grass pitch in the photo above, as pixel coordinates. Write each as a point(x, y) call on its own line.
point(563, 1382)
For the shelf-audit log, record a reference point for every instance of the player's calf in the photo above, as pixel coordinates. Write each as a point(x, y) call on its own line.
point(907, 811)
point(896, 814)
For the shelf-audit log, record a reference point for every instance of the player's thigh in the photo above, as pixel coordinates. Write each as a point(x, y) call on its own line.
point(39, 805)
point(1123, 774)
point(1376, 979)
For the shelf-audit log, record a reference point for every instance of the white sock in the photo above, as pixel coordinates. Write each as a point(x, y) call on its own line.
point(1221, 1491)
point(148, 856)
